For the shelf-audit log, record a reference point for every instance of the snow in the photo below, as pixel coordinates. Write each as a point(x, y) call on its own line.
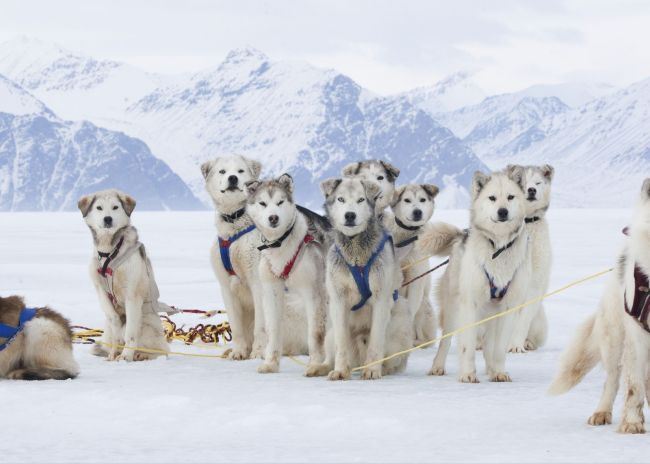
point(15, 100)
point(190, 409)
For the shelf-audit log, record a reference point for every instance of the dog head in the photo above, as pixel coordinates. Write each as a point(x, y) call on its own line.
point(270, 205)
point(225, 180)
point(381, 172)
point(498, 201)
point(107, 211)
point(350, 203)
point(413, 204)
point(536, 185)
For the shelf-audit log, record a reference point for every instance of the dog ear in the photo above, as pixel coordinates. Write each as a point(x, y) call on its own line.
point(328, 186)
point(645, 190)
point(252, 186)
point(432, 190)
point(85, 203)
point(254, 166)
point(548, 171)
point(397, 195)
point(352, 169)
point(373, 190)
point(207, 167)
point(128, 203)
point(478, 182)
point(516, 174)
point(392, 171)
point(286, 181)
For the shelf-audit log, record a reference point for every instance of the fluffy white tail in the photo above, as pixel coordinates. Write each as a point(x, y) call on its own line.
point(438, 239)
point(580, 357)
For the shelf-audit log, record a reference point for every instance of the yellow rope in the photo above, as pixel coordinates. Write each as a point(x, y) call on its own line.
point(155, 351)
point(416, 262)
point(487, 319)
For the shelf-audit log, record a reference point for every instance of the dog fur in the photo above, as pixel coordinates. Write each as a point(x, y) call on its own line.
point(41, 350)
point(381, 326)
point(531, 327)
point(132, 320)
point(272, 209)
point(614, 338)
point(464, 290)
point(381, 172)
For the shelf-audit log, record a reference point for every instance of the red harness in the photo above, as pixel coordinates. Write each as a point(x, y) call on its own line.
point(289, 266)
point(640, 308)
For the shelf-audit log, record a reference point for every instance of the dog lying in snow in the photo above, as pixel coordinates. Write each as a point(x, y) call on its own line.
point(35, 343)
point(123, 278)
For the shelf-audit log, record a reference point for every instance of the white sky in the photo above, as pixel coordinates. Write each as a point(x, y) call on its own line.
point(386, 46)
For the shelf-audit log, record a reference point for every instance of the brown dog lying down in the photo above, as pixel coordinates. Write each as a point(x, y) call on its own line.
point(35, 343)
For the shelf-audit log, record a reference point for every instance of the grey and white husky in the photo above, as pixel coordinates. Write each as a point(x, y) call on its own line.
point(369, 321)
point(382, 173)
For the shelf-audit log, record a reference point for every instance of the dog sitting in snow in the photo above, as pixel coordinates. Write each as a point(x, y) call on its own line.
point(35, 343)
point(123, 277)
point(618, 334)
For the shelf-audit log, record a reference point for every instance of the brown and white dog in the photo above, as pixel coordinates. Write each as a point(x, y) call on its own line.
point(41, 348)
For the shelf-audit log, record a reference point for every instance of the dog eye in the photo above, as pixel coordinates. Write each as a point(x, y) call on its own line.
point(492, 198)
point(422, 200)
point(511, 197)
point(340, 200)
point(538, 183)
point(280, 202)
point(99, 208)
point(380, 177)
point(241, 171)
point(262, 204)
point(114, 207)
point(361, 200)
point(407, 200)
point(223, 171)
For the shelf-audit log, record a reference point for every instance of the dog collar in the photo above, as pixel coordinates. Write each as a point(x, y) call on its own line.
point(277, 243)
point(502, 249)
point(9, 332)
point(530, 220)
point(404, 226)
point(234, 216)
point(406, 242)
point(108, 257)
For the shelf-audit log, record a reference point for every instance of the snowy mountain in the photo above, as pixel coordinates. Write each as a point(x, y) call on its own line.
point(451, 93)
point(47, 163)
point(573, 94)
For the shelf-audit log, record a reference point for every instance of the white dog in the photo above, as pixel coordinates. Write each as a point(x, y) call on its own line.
point(618, 331)
point(363, 277)
point(531, 327)
point(123, 278)
point(292, 272)
point(489, 272)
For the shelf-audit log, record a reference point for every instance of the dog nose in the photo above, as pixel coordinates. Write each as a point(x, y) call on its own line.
point(417, 215)
point(350, 216)
point(273, 219)
point(532, 191)
point(503, 214)
point(108, 221)
point(233, 180)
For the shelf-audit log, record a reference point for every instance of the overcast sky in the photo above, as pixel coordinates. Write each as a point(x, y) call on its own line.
point(386, 46)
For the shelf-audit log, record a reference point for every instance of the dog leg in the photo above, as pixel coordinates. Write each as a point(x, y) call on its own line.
point(342, 342)
point(381, 313)
point(467, 343)
point(259, 335)
point(538, 330)
point(523, 320)
point(316, 317)
point(133, 327)
point(635, 359)
point(440, 360)
point(502, 331)
point(274, 304)
point(111, 329)
point(241, 346)
point(610, 356)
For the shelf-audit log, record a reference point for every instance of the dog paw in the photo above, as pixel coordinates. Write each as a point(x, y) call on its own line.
point(516, 349)
point(338, 375)
point(127, 355)
point(371, 373)
point(530, 346)
point(500, 377)
point(268, 368)
point(631, 427)
point(317, 370)
point(437, 371)
point(237, 355)
point(468, 378)
point(600, 418)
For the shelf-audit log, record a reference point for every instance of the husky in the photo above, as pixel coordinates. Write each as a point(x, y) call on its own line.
point(618, 334)
point(379, 171)
point(531, 327)
point(489, 271)
point(415, 237)
point(123, 278)
point(369, 320)
point(292, 264)
point(35, 343)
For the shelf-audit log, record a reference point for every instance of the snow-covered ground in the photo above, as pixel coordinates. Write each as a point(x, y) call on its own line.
point(195, 410)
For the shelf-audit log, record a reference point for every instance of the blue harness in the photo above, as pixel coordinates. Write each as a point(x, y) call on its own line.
point(361, 274)
point(496, 293)
point(224, 248)
point(9, 332)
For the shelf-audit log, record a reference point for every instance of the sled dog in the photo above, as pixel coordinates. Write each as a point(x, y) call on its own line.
point(369, 320)
point(531, 326)
point(379, 171)
point(618, 334)
point(123, 278)
point(35, 343)
point(414, 238)
point(489, 271)
point(291, 270)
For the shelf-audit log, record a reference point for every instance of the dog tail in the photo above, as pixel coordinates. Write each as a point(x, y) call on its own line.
point(580, 357)
point(438, 239)
point(41, 373)
point(321, 222)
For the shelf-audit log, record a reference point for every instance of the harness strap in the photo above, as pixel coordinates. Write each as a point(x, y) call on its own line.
point(224, 248)
point(278, 242)
point(404, 226)
point(231, 218)
point(502, 249)
point(530, 220)
point(108, 258)
point(361, 274)
point(406, 242)
point(9, 332)
point(495, 292)
point(289, 266)
point(641, 304)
